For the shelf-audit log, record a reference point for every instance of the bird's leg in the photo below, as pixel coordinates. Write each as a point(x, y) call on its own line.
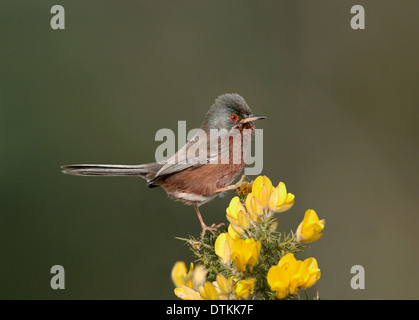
point(232, 186)
point(205, 228)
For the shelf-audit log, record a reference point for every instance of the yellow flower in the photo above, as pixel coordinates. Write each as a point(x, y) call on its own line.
point(224, 285)
point(244, 252)
point(278, 280)
point(313, 271)
point(186, 293)
point(244, 287)
point(237, 215)
point(208, 291)
point(234, 207)
point(265, 196)
point(280, 200)
point(298, 273)
point(291, 274)
point(187, 282)
point(262, 189)
point(254, 207)
point(310, 228)
point(222, 247)
point(180, 275)
point(192, 279)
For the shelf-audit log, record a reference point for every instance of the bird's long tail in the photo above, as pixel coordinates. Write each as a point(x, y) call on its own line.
point(146, 171)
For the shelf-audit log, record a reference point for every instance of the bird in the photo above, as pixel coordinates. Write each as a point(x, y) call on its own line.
point(208, 174)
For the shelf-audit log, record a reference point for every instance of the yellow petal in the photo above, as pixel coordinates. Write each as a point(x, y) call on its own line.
point(243, 252)
point(244, 219)
point(232, 208)
point(273, 199)
point(282, 194)
point(312, 238)
point(282, 294)
point(245, 287)
point(237, 230)
point(293, 286)
point(310, 216)
point(311, 263)
point(199, 275)
point(223, 283)
point(179, 273)
point(256, 206)
point(290, 198)
point(278, 280)
point(280, 200)
point(187, 293)
point(268, 184)
point(222, 247)
point(239, 254)
point(257, 186)
point(311, 227)
point(284, 207)
point(314, 275)
point(233, 234)
point(298, 232)
point(314, 272)
point(308, 230)
point(208, 291)
point(287, 260)
point(255, 247)
point(249, 207)
point(264, 196)
point(289, 202)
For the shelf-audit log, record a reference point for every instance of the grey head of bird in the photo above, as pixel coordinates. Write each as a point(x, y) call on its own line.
point(229, 111)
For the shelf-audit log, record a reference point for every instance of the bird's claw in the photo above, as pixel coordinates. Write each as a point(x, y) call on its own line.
point(214, 227)
point(239, 183)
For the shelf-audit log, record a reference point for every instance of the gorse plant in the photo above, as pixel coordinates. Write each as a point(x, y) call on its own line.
point(251, 259)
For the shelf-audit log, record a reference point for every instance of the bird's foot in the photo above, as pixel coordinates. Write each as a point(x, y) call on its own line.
point(239, 183)
point(232, 186)
point(214, 227)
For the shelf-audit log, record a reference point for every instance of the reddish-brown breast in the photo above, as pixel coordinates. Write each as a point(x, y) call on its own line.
point(198, 185)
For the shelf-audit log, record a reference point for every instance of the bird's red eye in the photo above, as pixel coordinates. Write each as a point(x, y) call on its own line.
point(234, 117)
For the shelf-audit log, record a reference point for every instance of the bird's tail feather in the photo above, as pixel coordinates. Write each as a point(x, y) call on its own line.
point(146, 171)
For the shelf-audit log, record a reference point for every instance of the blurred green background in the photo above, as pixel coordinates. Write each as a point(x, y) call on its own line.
point(342, 133)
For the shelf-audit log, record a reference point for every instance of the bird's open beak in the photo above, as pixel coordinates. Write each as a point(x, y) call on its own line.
point(252, 118)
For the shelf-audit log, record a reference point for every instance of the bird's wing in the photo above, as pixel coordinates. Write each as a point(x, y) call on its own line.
point(201, 149)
